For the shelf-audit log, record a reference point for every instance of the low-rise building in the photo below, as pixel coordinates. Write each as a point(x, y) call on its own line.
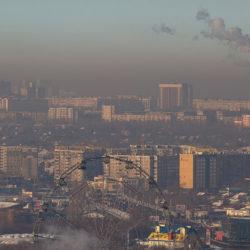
point(221, 104)
point(109, 115)
point(63, 115)
point(76, 102)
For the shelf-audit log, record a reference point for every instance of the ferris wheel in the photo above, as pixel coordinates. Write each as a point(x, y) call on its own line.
point(109, 215)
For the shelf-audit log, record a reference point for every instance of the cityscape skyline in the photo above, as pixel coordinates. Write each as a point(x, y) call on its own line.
point(79, 45)
point(124, 124)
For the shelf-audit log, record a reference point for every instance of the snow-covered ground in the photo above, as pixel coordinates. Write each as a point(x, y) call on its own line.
point(5, 204)
point(15, 239)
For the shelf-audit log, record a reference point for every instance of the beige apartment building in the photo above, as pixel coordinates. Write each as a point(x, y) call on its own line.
point(81, 102)
point(109, 115)
point(118, 169)
point(186, 171)
point(65, 158)
point(175, 96)
point(64, 115)
point(246, 121)
point(221, 104)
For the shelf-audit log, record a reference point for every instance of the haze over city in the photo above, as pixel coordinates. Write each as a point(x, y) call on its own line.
point(113, 47)
point(124, 125)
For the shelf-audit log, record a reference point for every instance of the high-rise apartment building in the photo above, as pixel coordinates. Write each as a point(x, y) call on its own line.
point(158, 162)
point(19, 161)
point(166, 171)
point(5, 88)
point(175, 96)
point(4, 104)
point(246, 121)
point(68, 156)
point(118, 169)
point(186, 171)
point(65, 158)
point(31, 90)
point(235, 167)
point(204, 171)
point(200, 172)
point(3, 159)
point(38, 89)
point(107, 112)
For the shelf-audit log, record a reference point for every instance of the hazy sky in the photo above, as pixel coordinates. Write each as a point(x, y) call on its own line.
point(128, 46)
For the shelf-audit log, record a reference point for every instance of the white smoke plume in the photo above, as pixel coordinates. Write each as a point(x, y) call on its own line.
point(72, 240)
point(234, 37)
